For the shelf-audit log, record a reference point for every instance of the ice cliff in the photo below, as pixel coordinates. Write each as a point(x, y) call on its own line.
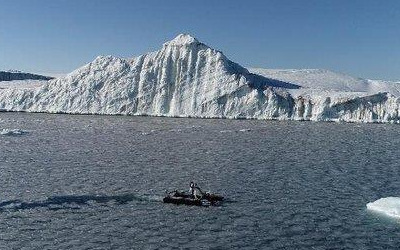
point(186, 78)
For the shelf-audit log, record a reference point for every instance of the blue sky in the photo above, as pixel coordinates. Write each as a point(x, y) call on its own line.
point(358, 37)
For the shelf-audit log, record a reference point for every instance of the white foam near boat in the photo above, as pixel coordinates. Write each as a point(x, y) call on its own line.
point(389, 206)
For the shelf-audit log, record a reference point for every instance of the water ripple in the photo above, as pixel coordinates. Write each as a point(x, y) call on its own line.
point(288, 185)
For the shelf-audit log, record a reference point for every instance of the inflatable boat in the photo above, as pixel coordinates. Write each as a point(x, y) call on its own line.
point(205, 199)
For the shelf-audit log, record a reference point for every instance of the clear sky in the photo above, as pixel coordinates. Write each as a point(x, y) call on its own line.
point(358, 37)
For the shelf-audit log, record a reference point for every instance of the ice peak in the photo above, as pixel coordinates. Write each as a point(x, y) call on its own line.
point(182, 40)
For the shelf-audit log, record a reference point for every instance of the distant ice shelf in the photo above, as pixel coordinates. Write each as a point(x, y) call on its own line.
point(11, 75)
point(187, 78)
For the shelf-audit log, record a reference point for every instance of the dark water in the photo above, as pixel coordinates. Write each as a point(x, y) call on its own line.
point(96, 182)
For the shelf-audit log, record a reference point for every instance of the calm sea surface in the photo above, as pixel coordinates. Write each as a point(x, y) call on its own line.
point(97, 182)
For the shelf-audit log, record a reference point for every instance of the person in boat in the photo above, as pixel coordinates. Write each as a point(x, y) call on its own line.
point(191, 189)
point(195, 191)
point(198, 194)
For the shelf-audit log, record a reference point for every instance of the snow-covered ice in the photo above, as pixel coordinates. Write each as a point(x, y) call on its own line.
point(319, 81)
point(187, 78)
point(389, 206)
point(22, 84)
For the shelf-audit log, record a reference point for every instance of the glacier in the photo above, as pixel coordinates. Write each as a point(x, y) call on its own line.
point(187, 78)
point(389, 206)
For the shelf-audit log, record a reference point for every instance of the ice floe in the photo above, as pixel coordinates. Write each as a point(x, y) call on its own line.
point(389, 206)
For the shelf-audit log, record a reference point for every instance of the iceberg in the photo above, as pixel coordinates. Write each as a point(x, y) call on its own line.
point(21, 84)
point(187, 78)
point(389, 206)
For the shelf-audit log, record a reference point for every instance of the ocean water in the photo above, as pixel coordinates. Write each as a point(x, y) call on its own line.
point(97, 182)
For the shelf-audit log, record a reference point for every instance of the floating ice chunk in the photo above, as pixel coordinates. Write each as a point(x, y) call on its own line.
point(226, 131)
point(7, 131)
point(245, 130)
point(175, 130)
point(235, 131)
point(148, 133)
point(389, 206)
point(193, 127)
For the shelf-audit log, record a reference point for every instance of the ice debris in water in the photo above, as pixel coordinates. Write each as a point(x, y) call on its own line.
point(245, 130)
point(17, 131)
point(231, 131)
point(148, 133)
point(389, 206)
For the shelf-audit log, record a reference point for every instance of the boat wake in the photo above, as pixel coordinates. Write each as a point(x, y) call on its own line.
point(76, 201)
